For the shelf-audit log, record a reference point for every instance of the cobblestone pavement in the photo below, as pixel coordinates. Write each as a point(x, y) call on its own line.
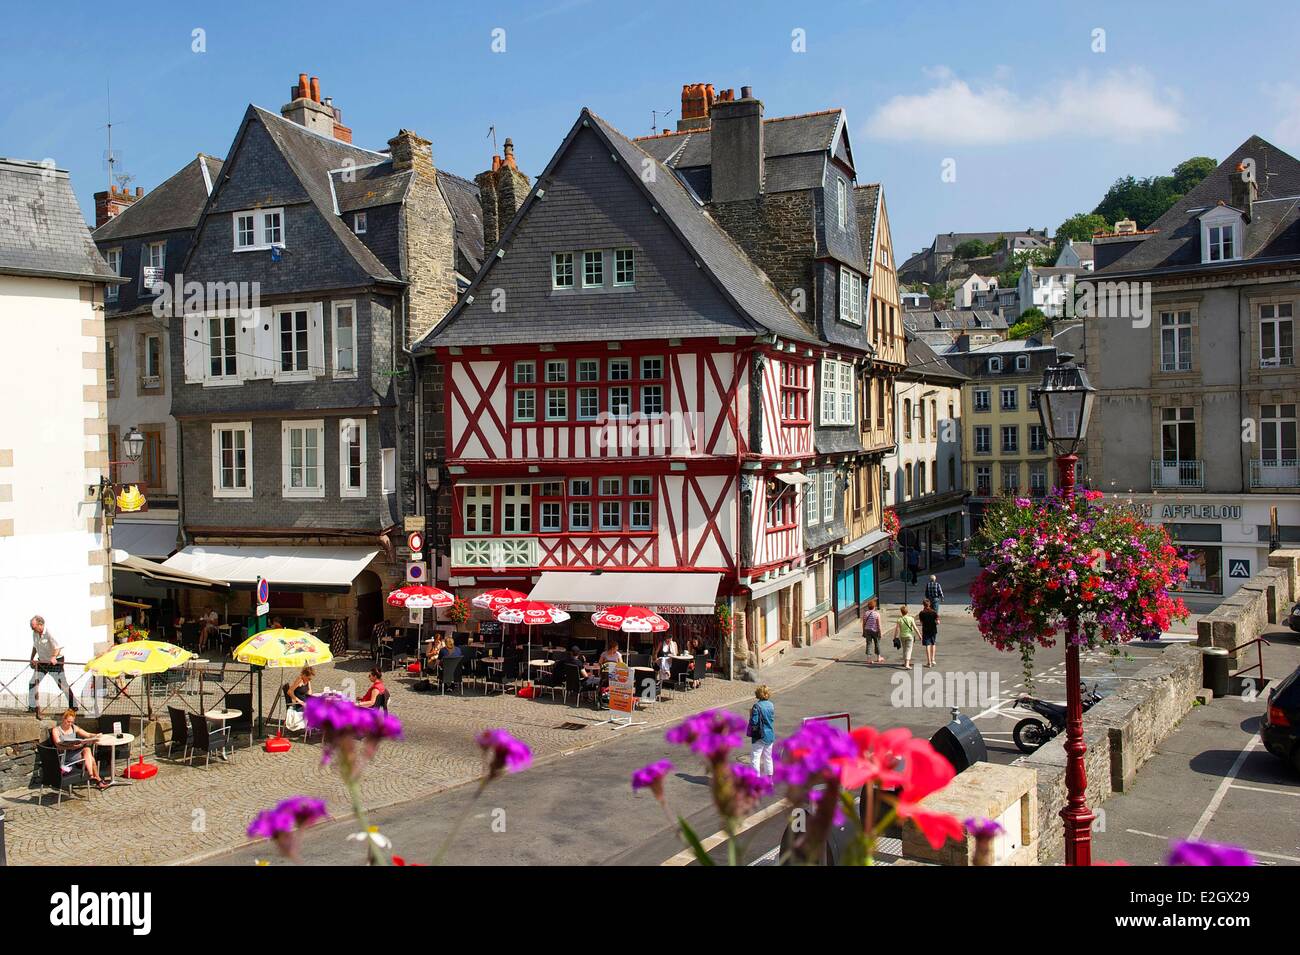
point(188, 812)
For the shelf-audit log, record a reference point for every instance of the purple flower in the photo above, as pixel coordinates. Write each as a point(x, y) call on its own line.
point(503, 751)
point(982, 828)
point(1188, 852)
point(804, 759)
point(712, 734)
point(652, 777)
point(750, 785)
point(815, 799)
point(282, 823)
point(342, 723)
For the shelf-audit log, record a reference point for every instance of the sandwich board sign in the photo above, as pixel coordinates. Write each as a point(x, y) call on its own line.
point(622, 695)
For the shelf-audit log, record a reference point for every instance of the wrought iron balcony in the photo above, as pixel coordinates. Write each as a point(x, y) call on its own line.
point(1178, 474)
point(1278, 473)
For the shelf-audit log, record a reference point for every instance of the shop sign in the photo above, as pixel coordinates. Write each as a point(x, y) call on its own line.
point(621, 695)
point(1207, 512)
point(1239, 567)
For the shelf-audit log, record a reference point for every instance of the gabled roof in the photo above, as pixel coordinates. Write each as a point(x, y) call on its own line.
point(748, 288)
point(42, 232)
point(955, 319)
point(462, 199)
point(924, 362)
point(175, 205)
point(1174, 242)
point(867, 200)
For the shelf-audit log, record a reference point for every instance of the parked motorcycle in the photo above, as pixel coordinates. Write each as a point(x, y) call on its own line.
point(1031, 733)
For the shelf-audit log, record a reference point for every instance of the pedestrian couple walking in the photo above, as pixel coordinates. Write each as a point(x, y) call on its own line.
point(906, 629)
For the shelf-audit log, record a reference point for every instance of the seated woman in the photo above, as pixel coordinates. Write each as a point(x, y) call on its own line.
point(664, 652)
point(296, 693)
point(375, 691)
point(76, 745)
point(449, 648)
point(574, 658)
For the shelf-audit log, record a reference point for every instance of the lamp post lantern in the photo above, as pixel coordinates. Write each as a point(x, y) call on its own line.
point(1065, 399)
point(133, 444)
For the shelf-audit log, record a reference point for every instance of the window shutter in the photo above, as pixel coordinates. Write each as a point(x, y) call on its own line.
point(246, 357)
point(316, 341)
point(826, 396)
point(263, 350)
point(194, 349)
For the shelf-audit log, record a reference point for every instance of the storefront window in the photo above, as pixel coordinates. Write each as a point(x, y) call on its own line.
point(1204, 569)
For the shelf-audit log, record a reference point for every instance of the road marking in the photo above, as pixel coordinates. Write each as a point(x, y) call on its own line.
point(1254, 852)
point(1222, 791)
point(1261, 789)
point(687, 856)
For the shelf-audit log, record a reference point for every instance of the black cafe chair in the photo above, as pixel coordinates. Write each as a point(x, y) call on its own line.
point(699, 667)
point(208, 738)
point(243, 723)
point(449, 675)
point(679, 672)
point(180, 732)
point(53, 776)
point(575, 684)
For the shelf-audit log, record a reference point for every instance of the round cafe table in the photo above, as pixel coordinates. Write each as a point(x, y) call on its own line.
point(222, 716)
point(113, 741)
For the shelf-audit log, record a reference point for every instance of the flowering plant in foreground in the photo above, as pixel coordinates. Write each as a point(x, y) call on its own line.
point(821, 768)
point(1075, 563)
point(352, 735)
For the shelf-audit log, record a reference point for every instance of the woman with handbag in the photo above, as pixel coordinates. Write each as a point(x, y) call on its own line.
point(905, 636)
point(762, 731)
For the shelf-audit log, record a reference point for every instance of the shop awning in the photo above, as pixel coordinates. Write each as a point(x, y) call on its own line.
point(662, 593)
point(169, 576)
point(796, 478)
point(153, 540)
point(286, 568)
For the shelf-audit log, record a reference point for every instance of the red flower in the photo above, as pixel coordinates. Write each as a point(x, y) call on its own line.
point(878, 758)
point(927, 772)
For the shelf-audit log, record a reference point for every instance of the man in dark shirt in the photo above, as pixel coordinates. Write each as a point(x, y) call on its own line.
point(929, 618)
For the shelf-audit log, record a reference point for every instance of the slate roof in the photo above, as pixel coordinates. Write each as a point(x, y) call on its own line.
point(923, 361)
point(175, 205)
point(372, 186)
point(945, 243)
point(794, 152)
point(462, 199)
point(956, 319)
point(1173, 241)
point(747, 286)
point(867, 200)
point(42, 232)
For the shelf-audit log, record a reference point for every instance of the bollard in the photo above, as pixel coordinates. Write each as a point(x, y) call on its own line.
point(1215, 670)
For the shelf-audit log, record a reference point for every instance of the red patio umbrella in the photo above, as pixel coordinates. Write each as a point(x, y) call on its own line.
point(531, 613)
point(492, 599)
point(629, 620)
point(420, 597)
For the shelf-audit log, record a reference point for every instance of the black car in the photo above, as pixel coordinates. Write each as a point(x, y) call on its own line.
point(1293, 621)
point(1281, 729)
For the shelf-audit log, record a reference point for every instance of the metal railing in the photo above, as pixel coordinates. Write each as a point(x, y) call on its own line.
point(1184, 474)
point(1259, 643)
point(494, 551)
point(1280, 473)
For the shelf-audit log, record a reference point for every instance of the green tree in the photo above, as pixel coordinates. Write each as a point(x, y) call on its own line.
point(1032, 321)
point(1079, 228)
point(1146, 200)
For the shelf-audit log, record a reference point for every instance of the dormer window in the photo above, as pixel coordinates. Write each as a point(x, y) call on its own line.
point(258, 229)
point(1022, 363)
point(995, 363)
point(359, 223)
point(1221, 235)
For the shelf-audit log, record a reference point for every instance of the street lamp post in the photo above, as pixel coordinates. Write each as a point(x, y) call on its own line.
point(1064, 405)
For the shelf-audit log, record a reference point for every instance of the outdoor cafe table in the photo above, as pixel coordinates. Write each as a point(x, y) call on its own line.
point(113, 741)
point(221, 716)
point(541, 663)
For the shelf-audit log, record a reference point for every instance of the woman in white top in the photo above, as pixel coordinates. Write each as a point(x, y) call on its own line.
point(664, 652)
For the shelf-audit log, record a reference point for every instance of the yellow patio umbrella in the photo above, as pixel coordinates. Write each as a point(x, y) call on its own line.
point(278, 649)
point(137, 658)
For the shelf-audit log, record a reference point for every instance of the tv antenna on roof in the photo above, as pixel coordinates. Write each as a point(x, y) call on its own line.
point(111, 157)
point(654, 120)
point(492, 131)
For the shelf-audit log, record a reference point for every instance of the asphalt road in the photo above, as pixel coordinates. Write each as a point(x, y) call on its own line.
point(578, 809)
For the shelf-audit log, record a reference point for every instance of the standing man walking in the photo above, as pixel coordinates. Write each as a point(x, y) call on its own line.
point(934, 592)
point(871, 631)
point(47, 658)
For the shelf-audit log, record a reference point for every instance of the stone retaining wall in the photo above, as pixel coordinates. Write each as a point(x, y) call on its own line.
point(1263, 600)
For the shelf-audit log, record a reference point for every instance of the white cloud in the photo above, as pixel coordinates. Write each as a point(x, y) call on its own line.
point(1120, 105)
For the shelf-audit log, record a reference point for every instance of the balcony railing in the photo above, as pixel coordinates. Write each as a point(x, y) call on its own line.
point(494, 552)
point(1281, 473)
point(1185, 474)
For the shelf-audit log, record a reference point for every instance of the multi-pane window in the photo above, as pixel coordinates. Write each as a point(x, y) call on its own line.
point(152, 359)
point(273, 227)
point(981, 399)
point(588, 404)
point(223, 361)
point(550, 515)
point(983, 439)
point(780, 510)
point(620, 369)
point(232, 460)
point(557, 404)
point(1010, 398)
point(293, 342)
point(1010, 438)
point(652, 400)
point(611, 515)
point(345, 343)
point(1037, 438)
point(907, 417)
point(1177, 435)
point(624, 266)
point(1278, 434)
point(640, 518)
point(114, 259)
point(842, 203)
point(794, 393)
point(836, 392)
point(1175, 341)
point(846, 393)
point(303, 471)
point(562, 270)
point(259, 229)
point(1221, 243)
point(476, 508)
point(589, 369)
point(525, 401)
point(984, 480)
point(920, 413)
point(995, 363)
point(1037, 480)
point(1011, 478)
point(557, 370)
point(352, 458)
point(516, 509)
point(812, 499)
point(579, 509)
point(593, 269)
point(525, 372)
point(245, 230)
point(153, 261)
point(620, 401)
point(828, 496)
point(1276, 335)
point(850, 292)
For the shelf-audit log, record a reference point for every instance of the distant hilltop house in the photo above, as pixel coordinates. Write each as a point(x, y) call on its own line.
point(940, 262)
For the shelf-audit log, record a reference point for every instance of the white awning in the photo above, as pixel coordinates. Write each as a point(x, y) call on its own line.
point(662, 593)
point(796, 478)
point(764, 587)
point(285, 568)
point(173, 576)
point(154, 540)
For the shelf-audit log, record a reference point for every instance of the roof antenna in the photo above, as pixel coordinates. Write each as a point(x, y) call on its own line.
point(654, 120)
point(492, 131)
point(111, 159)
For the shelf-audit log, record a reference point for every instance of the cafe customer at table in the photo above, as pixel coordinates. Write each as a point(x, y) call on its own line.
point(376, 689)
point(296, 693)
point(611, 654)
point(572, 657)
point(75, 744)
point(664, 652)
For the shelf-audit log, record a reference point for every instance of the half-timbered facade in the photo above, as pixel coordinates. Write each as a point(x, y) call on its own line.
point(633, 401)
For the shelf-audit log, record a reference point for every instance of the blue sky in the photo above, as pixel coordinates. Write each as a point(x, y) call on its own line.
point(1037, 122)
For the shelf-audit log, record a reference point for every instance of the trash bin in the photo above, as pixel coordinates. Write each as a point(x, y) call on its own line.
point(1215, 670)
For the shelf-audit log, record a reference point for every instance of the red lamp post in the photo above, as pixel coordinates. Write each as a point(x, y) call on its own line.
point(1064, 405)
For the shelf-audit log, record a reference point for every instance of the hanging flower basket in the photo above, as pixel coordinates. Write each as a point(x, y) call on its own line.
point(459, 611)
point(723, 613)
point(890, 524)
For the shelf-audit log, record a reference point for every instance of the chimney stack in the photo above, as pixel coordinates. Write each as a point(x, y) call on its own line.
point(114, 202)
point(1242, 194)
point(412, 151)
point(737, 145)
point(306, 109)
point(697, 100)
point(501, 192)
